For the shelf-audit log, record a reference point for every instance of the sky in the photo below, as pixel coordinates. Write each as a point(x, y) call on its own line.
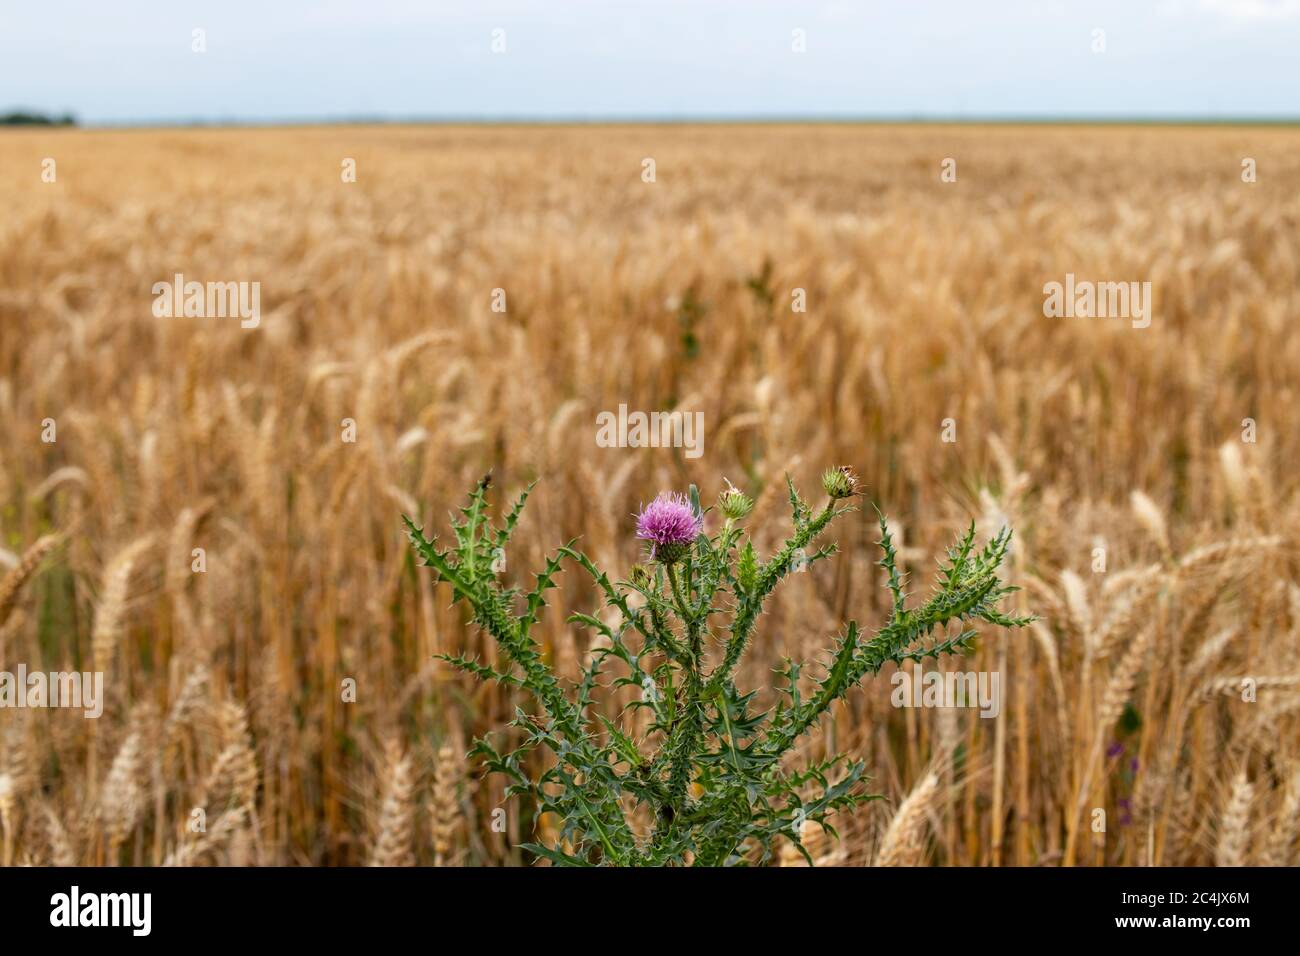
point(133, 61)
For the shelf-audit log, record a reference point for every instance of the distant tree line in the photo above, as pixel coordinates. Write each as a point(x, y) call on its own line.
point(25, 118)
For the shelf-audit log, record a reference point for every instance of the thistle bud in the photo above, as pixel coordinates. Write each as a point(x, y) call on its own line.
point(840, 482)
point(734, 503)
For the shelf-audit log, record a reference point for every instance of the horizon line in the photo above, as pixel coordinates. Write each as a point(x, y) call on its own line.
point(1028, 119)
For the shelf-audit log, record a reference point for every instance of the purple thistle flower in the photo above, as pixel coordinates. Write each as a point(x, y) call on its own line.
point(670, 524)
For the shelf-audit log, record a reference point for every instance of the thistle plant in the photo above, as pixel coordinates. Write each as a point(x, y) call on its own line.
point(709, 778)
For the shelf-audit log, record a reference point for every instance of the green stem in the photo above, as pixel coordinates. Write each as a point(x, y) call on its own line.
point(676, 589)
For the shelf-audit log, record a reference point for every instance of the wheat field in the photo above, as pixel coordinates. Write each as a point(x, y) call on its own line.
point(225, 696)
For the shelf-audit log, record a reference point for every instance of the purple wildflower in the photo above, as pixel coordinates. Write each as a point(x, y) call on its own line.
point(670, 524)
point(1125, 805)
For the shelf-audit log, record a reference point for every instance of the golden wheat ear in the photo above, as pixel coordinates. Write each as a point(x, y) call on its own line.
point(904, 841)
point(395, 841)
point(115, 595)
point(12, 583)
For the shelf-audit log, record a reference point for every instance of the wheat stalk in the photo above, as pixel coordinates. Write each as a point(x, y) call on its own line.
point(122, 798)
point(445, 810)
point(1234, 828)
point(394, 845)
point(904, 841)
point(191, 852)
point(1114, 697)
point(114, 595)
point(232, 781)
point(12, 583)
